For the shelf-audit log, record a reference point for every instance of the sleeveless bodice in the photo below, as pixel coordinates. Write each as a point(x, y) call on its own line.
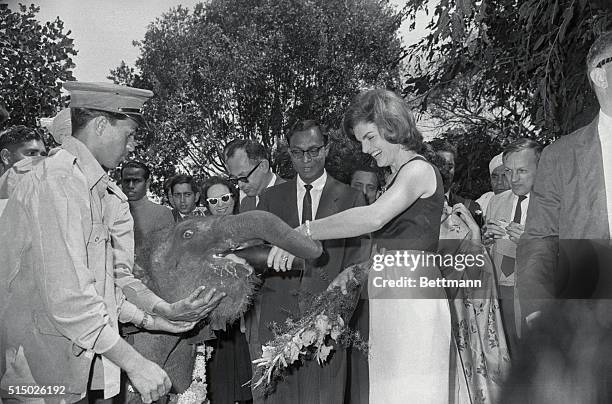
point(417, 227)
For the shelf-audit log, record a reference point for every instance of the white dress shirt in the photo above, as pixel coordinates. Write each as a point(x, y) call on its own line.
point(315, 193)
point(604, 128)
point(504, 246)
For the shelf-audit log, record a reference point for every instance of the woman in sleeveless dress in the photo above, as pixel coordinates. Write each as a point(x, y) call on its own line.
point(410, 326)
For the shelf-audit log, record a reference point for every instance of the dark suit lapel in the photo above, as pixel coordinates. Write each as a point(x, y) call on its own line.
point(590, 164)
point(289, 204)
point(328, 204)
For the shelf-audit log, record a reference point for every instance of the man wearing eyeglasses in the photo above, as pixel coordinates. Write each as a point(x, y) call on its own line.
point(569, 218)
point(312, 194)
point(248, 167)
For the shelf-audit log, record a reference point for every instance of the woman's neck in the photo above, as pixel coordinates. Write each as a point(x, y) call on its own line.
point(402, 157)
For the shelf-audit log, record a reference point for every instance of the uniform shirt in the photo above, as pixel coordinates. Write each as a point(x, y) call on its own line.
point(604, 128)
point(315, 193)
point(67, 271)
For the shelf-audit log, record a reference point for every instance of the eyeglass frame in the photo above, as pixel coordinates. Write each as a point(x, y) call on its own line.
point(244, 178)
point(216, 198)
point(301, 152)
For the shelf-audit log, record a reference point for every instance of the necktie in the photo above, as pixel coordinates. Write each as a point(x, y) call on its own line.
point(307, 204)
point(507, 265)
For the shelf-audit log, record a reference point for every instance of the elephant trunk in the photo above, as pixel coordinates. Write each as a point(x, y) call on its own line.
point(266, 226)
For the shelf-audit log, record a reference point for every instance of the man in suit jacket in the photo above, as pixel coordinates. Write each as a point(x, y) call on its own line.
point(506, 216)
point(563, 258)
point(313, 194)
point(249, 168)
point(569, 222)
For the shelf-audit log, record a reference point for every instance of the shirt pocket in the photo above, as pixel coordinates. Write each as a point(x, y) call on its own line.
point(98, 246)
point(44, 325)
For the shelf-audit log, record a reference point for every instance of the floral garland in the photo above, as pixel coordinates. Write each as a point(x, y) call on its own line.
point(307, 337)
point(197, 391)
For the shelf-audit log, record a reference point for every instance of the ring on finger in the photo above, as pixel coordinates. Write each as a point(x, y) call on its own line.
point(285, 258)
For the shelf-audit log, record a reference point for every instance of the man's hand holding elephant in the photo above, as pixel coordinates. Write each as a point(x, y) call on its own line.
point(194, 307)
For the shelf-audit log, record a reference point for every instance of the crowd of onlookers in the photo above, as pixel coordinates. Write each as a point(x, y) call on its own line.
point(500, 213)
point(543, 230)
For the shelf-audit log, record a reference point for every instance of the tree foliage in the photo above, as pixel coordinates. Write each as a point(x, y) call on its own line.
point(251, 68)
point(506, 68)
point(35, 58)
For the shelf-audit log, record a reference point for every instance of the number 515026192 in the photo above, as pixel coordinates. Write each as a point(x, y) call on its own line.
point(35, 390)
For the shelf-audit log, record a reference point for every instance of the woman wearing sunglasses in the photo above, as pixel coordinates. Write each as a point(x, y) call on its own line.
point(230, 365)
point(221, 196)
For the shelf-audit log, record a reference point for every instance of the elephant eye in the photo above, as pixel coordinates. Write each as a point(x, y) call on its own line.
point(188, 234)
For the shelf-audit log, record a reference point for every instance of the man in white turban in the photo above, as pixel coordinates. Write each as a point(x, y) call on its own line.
point(499, 182)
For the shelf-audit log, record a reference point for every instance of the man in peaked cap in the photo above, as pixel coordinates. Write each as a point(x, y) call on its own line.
point(67, 264)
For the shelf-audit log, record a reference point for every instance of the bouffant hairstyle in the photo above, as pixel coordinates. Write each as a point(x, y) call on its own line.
point(389, 113)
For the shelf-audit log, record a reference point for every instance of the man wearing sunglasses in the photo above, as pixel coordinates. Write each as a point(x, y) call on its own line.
point(570, 213)
point(312, 194)
point(248, 167)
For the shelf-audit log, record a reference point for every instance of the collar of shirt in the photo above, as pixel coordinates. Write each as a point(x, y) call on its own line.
point(604, 125)
point(604, 128)
point(86, 161)
point(270, 184)
point(524, 206)
point(242, 195)
point(315, 193)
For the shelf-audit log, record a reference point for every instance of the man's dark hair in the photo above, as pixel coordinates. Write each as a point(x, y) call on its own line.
point(184, 179)
point(523, 143)
point(255, 151)
point(302, 126)
point(79, 117)
point(14, 136)
point(136, 164)
point(602, 46)
point(441, 145)
point(369, 169)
